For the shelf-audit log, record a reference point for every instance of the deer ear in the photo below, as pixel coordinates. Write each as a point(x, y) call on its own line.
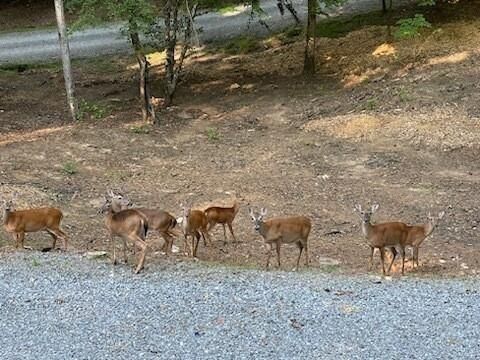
point(250, 211)
point(358, 208)
point(375, 208)
point(263, 211)
point(441, 214)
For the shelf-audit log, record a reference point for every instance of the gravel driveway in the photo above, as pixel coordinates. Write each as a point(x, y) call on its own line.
point(57, 306)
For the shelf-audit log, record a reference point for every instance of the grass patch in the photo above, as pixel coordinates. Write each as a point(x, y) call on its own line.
point(227, 9)
point(36, 263)
point(241, 45)
point(212, 134)
point(91, 110)
point(70, 168)
point(141, 129)
point(339, 27)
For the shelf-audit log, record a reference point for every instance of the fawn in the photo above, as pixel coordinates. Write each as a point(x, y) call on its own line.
point(282, 230)
point(194, 224)
point(127, 224)
point(222, 215)
point(19, 222)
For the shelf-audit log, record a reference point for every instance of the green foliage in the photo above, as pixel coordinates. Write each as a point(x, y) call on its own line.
point(426, 2)
point(403, 95)
point(410, 28)
point(371, 104)
point(70, 168)
point(226, 9)
point(339, 27)
point(92, 110)
point(241, 45)
point(139, 15)
point(35, 262)
point(140, 129)
point(212, 134)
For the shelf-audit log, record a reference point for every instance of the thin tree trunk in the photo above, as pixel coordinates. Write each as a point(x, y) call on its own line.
point(148, 113)
point(171, 28)
point(65, 52)
point(309, 62)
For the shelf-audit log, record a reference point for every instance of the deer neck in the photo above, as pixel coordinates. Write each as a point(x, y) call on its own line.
point(428, 228)
point(236, 207)
point(263, 230)
point(6, 216)
point(366, 229)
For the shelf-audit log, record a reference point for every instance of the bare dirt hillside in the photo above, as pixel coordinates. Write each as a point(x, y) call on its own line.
point(395, 122)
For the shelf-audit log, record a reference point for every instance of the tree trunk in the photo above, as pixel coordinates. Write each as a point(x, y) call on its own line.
point(148, 113)
point(171, 28)
point(65, 52)
point(309, 62)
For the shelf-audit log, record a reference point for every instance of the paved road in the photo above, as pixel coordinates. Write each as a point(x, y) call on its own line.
point(54, 306)
point(24, 47)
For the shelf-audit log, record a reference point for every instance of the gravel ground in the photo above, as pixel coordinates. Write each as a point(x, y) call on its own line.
point(56, 306)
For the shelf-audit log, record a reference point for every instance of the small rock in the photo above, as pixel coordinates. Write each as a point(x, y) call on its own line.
point(234, 86)
point(96, 254)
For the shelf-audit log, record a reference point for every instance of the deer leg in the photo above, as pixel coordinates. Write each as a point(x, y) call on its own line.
point(54, 237)
point(59, 234)
point(125, 256)
point(224, 235)
point(402, 252)
point(114, 258)
point(415, 255)
point(231, 232)
point(21, 237)
point(372, 249)
point(382, 257)
point(269, 245)
point(278, 252)
point(143, 246)
point(300, 246)
point(206, 235)
point(197, 236)
point(185, 245)
point(15, 238)
point(305, 245)
point(394, 254)
point(167, 246)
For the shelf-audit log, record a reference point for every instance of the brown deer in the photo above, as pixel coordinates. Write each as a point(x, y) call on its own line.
point(158, 220)
point(222, 215)
point(283, 230)
point(194, 224)
point(392, 234)
point(417, 234)
point(128, 224)
point(19, 222)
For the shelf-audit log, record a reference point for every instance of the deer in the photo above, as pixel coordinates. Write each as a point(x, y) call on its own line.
point(222, 215)
point(417, 234)
point(282, 230)
point(128, 224)
point(19, 222)
point(194, 224)
point(392, 234)
point(158, 220)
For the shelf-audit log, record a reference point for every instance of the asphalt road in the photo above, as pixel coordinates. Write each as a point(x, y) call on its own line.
point(41, 45)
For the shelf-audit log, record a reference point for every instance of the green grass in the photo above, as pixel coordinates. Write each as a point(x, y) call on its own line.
point(70, 168)
point(227, 9)
point(141, 129)
point(241, 45)
point(92, 110)
point(212, 134)
point(341, 26)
